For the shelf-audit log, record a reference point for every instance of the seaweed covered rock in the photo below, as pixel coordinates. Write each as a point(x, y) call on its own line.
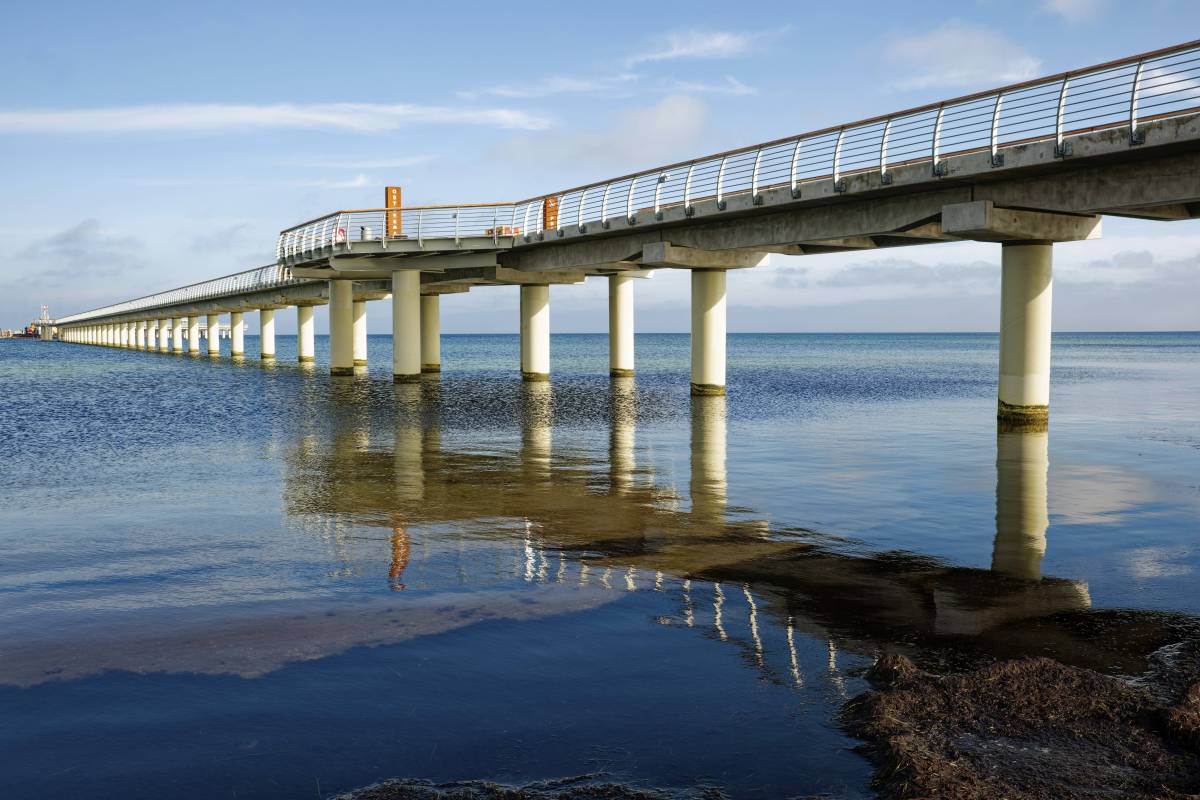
point(1032, 728)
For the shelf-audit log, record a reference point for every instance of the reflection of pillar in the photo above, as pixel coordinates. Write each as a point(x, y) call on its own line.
point(431, 333)
point(401, 546)
point(708, 332)
point(536, 429)
point(535, 333)
point(237, 334)
point(408, 446)
point(194, 334)
point(620, 326)
point(708, 479)
point(341, 327)
point(358, 311)
point(306, 338)
point(266, 333)
point(1025, 293)
point(621, 458)
point(1022, 461)
point(406, 326)
point(213, 324)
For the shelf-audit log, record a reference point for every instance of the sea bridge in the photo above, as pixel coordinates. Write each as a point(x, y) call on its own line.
point(1023, 166)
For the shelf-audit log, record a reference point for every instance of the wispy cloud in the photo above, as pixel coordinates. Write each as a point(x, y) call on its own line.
point(694, 44)
point(214, 117)
point(353, 164)
point(85, 251)
point(728, 86)
point(637, 135)
point(555, 85)
point(958, 55)
point(1075, 10)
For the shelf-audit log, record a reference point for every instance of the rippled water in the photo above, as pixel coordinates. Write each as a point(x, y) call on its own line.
point(237, 579)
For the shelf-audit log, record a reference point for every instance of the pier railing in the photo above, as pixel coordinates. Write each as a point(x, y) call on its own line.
point(1125, 93)
point(251, 280)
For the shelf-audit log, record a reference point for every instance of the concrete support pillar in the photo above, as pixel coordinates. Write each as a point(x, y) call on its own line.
point(341, 327)
point(306, 338)
point(431, 333)
point(164, 337)
point(620, 326)
point(212, 332)
point(708, 332)
point(535, 333)
point(358, 312)
point(194, 334)
point(152, 335)
point(141, 334)
point(177, 335)
point(406, 326)
point(266, 333)
point(1022, 515)
point(237, 334)
point(1025, 293)
point(121, 334)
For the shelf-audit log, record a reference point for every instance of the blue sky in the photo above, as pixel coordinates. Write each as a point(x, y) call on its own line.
point(149, 145)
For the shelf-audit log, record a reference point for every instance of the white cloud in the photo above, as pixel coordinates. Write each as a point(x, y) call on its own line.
point(694, 44)
point(637, 136)
point(729, 86)
point(216, 117)
point(554, 85)
point(959, 55)
point(1075, 10)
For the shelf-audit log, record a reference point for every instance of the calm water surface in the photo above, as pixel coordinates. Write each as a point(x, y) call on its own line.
point(224, 579)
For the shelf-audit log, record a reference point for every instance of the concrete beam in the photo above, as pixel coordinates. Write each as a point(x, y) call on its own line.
point(983, 221)
point(665, 254)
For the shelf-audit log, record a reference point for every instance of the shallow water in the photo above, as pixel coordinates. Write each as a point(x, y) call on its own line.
point(232, 579)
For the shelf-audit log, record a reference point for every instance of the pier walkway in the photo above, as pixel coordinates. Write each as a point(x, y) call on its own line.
point(1023, 166)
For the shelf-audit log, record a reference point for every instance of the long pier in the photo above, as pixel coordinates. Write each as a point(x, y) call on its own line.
point(1024, 166)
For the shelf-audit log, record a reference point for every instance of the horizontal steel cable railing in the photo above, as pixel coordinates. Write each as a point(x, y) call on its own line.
point(251, 280)
point(1124, 93)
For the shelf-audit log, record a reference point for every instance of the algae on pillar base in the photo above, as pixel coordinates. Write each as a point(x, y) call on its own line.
point(1026, 288)
point(708, 332)
point(535, 332)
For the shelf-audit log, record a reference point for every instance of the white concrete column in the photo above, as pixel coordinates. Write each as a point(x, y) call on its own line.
point(152, 334)
point(122, 335)
point(535, 332)
point(141, 334)
point(177, 334)
point(620, 326)
point(212, 333)
point(306, 335)
point(1026, 286)
point(341, 327)
point(431, 333)
point(708, 332)
point(194, 334)
point(1022, 515)
point(406, 326)
point(266, 333)
point(164, 335)
point(358, 313)
point(237, 334)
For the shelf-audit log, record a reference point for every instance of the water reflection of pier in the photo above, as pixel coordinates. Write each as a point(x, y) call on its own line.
point(563, 517)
